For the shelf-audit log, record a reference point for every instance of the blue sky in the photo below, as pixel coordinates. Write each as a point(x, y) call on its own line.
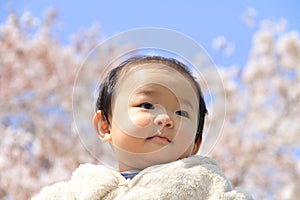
point(201, 20)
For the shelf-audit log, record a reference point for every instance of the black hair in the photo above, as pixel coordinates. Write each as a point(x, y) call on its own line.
point(107, 86)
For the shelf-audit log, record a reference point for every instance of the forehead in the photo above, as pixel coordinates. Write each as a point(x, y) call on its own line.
point(136, 76)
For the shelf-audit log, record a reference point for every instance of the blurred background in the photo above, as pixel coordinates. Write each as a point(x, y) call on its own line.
point(255, 46)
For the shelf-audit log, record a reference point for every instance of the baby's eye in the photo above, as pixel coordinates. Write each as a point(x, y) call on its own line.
point(182, 113)
point(147, 106)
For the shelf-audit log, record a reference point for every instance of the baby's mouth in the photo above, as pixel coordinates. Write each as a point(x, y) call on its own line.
point(159, 139)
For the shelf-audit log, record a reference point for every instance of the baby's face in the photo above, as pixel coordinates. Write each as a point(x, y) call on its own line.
point(154, 117)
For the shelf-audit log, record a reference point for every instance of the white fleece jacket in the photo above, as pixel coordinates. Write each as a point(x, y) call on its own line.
point(195, 177)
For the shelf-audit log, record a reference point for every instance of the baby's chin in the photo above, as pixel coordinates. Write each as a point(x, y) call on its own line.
point(139, 161)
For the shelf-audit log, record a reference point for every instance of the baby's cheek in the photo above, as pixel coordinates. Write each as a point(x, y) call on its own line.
point(186, 131)
point(141, 120)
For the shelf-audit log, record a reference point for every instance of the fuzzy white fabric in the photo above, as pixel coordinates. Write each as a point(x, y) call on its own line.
point(195, 177)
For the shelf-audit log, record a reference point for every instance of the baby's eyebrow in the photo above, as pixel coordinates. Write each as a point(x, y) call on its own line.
point(151, 92)
point(146, 92)
point(187, 102)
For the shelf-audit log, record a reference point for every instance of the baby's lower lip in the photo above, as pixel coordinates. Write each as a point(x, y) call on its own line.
point(159, 140)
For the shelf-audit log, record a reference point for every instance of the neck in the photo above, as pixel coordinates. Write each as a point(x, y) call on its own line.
point(123, 167)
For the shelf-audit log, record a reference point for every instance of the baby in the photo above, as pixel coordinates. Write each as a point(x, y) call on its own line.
point(151, 110)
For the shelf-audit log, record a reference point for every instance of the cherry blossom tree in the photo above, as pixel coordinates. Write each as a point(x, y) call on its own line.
point(260, 137)
point(37, 73)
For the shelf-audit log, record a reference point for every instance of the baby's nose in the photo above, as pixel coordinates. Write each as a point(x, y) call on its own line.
point(164, 120)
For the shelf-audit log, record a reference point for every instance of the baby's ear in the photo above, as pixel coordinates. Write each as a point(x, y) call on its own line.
point(101, 126)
